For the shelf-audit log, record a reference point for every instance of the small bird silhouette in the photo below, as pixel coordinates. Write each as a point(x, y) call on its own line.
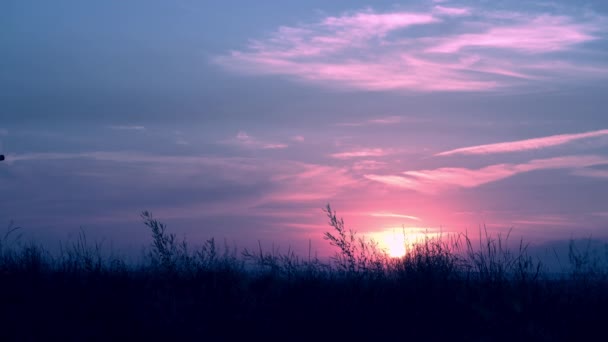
point(1, 157)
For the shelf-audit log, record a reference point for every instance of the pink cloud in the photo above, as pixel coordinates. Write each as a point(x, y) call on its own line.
point(543, 34)
point(462, 177)
point(396, 181)
point(394, 72)
point(524, 145)
point(436, 179)
point(366, 152)
point(372, 51)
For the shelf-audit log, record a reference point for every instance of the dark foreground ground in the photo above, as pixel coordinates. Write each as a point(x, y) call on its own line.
point(439, 291)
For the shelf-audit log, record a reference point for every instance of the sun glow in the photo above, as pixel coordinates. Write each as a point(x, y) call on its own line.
point(397, 241)
point(396, 246)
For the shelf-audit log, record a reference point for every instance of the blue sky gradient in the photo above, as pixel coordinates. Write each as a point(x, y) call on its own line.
point(242, 120)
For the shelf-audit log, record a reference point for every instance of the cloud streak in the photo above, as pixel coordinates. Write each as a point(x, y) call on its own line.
point(244, 140)
point(451, 11)
point(128, 128)
point(310, 182)
point(525, 145)
point(362, 153)
point(545, 33)
point(291, 181)
point(593, 173)
point(372, 51)
point(433, 180)
point(382, 121)
point(394, 215)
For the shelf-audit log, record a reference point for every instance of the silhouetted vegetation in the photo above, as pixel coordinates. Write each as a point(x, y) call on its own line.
point(443, 288)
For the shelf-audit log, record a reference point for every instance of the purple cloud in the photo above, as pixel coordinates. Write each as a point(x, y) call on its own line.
point(373, 51)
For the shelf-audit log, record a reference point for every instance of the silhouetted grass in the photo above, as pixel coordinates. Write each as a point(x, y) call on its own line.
point(446, 287)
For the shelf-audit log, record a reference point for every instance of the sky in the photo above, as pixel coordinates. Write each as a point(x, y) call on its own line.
point(242, 120)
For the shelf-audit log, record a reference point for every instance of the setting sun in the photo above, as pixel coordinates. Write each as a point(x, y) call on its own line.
point(396, 246)
point(396, 241)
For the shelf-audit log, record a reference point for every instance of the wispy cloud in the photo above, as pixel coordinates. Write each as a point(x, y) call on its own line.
point(394, 215)
point(310, 182)
point(368, 165)
point(369, 50)
point(545, 221)
point(135, 157)
point(437, 179)
point(524, 145)
point(451, 11)
point(128, 128)
point(193, 186)
point(387, 120)
point(294, 181)
point(545, 33)
point(594, 173)
point(181, 141)
point(244, 140)
point(393, 180)
point(361, 153)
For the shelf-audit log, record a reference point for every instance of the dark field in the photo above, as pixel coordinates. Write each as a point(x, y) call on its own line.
point(443, 289)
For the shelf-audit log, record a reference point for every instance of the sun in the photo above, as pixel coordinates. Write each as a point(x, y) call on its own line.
point(392, 242)
point(397, 242)
point(396, 247)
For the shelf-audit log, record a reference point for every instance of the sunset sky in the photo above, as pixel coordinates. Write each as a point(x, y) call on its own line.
point(243, 119)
